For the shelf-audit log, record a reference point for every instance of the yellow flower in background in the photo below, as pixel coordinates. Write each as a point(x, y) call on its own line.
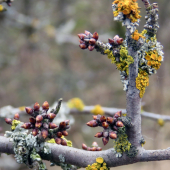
point(97, 110)
point(1, 8)
point(76, 103)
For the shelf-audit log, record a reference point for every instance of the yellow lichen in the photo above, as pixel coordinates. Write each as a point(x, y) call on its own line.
point(153, 59)
point(161, 122)
point(22, 108)
point(136, 35)
point(14, 124)
point(97, 110)
point(1, 8)
point(99, 165)
point(143, 143)
point(124, 61)
point(142, 81)
point(99, 160)
point(76, 103)
point(129, 8)
point(51, 140)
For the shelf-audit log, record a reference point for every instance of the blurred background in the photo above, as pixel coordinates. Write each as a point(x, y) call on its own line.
point(40, 60)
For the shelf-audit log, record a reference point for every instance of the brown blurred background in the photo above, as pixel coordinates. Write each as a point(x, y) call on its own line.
point(40, 60)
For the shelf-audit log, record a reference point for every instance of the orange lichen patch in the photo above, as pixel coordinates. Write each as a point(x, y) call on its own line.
point(136, 35)
point(76, 103)
point(142, 81)
point(97, 110)
point(129, 8)
point(153, 59)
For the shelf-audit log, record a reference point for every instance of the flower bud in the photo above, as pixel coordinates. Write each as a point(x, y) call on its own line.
point(102, 118)
point(92, 41)
point(35, 132)
point(83, 46)
point(52, 125)
point(39, 118)
point(58, 141)
point(119, 124)
point(105, 125)
point(62, 125)
point(91, 48)
point(112, 135)
point(92, 123)
point(16, 116)
point(81, 36)
point(84, 147)
point(94, 117)
point(117, 114)
point(110, 120)
point(67, 122)
point(36, 106)
point(29, 110)
point(105, 140)
point(94, 144)
point(32, 120)
point(59, 134)
point(99, 135)
point(98, 149)
point(65, 133)
point(8, 121)
point(38, 124)
point(63, 142)
point(26, 126)
point(93, 149)
point(44, 133)
point(45, 125)
point(95, 36)
point(45, 105)
point(51, 115)
point(88, 33)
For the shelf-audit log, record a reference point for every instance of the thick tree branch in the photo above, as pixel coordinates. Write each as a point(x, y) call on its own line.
point(84, 158)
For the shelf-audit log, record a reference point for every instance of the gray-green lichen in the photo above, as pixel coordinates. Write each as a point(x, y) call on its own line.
point(26, 147)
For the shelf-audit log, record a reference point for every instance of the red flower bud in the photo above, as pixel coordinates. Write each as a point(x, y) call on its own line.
point(99, 135)
point(81, 36)
point(110, 120)
point(93, 149)
point(58, 141)
point(44, 133)
point(29, 110)
point(35, 132)
point(95, 36)
point(52, 125)
point(105, 140)
point(26, 126)
point(38, 124)
point(112, 135)
point(32, 120)
point(45, 105)
point(91, 48)
point(39, 118)
point(105, 125)
point(83, 46)
point(59, 134)
point(65, 133)
point(117, 114)
point(84, 147)
point(94, 117)
point(102, 118)
point(92, 123)
point(8, 121)
point(36, 106)
point(63, 142)
point(62, 125)
point(92, 41)
point(119, 124)
point(51, 115)
point(16, 116)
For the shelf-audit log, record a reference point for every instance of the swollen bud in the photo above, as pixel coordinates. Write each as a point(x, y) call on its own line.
point(39, 118)
point(65, 133)
point(44, 133)
point(112, 135)
point(58, 141)
point(35, 132)
point(29, 110)
point(45, 105)
point(16, 116)
point(99, 135)
point(36, 106)
point(8, 121)
point(92, 123)
point(26, 126)
point(63, 142)
point(52, 125)
point(105, 140)
point(119, 124)
point(84, 147)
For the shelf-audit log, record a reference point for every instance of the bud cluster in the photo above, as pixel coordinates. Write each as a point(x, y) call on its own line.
point(109, 124)
point(94, 147)
point(88, 40)
point(41, 123)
